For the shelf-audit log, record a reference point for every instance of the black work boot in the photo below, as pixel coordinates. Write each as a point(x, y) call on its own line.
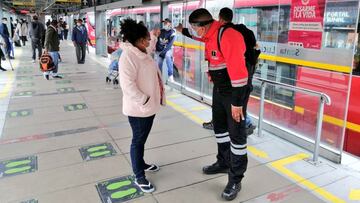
point(231, 190)
point(208, 125)
point(215, 168)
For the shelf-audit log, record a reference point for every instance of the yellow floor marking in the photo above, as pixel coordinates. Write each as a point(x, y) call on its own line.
point(173, 96)
point(185, 112)
point(354, 194)
point(258, 152)
point(10, 77)
point(5, 91)
point(280, 166)
point(198, 120)
point(199, 108)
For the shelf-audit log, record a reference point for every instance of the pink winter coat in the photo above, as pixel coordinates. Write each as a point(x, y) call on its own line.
point(140, 78)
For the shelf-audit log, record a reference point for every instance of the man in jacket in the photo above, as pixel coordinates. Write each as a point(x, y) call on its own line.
point(230, 96)
point(4, 32)
point(80, 38)
point(52, 46)
point(37, 32)
point(164, 47)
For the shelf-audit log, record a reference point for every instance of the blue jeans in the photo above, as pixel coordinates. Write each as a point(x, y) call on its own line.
point(169, 62)
point(248, 121)
point(141, 128)
point(55, 57)
point(8, 46)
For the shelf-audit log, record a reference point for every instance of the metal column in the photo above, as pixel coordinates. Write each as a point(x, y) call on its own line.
point(1, 10)
point(164, 13)
point(100, 33)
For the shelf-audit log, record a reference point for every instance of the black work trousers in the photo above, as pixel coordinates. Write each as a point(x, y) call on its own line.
point(230, 135)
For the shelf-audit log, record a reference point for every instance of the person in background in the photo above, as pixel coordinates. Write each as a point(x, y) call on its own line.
point(154, 34)
point(60, 31)
point(80, 38)
point(74, 23)
point(48, 23)
point(1, 58)
point(23, 31)
point(36, 33)
point(12, 27)
point(52, 46)
point(4, 32)
point(66, 30)
point(164, 48)
point(143, 94)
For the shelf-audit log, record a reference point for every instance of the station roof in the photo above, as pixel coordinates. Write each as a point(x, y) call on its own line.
point(42, 6)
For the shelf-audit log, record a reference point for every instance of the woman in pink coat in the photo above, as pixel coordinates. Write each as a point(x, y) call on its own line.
point(143, 94)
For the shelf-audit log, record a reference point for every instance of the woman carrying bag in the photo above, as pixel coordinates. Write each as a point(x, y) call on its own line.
point(143, 94)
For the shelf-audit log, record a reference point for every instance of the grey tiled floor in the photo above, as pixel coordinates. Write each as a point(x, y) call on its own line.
point(179, 145)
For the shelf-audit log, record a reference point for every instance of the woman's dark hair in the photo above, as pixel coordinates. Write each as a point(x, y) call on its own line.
point(132, 31)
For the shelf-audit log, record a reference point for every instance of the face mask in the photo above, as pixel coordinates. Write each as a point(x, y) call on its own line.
point(167, 27)
point(195, 34)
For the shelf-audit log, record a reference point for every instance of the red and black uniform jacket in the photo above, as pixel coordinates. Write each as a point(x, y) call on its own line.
point(227, 68)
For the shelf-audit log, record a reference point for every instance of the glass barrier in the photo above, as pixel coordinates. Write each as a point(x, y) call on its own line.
point(181, 64)
point(317, 49)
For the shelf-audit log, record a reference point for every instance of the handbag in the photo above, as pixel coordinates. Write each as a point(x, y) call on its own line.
point(46, 62)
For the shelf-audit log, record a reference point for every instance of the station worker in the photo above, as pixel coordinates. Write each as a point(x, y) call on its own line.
point(230, 96)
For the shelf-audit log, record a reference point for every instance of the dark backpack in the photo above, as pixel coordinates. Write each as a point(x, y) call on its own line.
point(251, 54)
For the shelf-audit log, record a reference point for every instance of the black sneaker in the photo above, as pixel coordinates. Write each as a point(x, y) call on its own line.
point(231, 190)
point(215, 168)
point(3, 69)
point(208, 125)
point(250, 129)
point(145, 185)
point(57, 76)
point(152, 168)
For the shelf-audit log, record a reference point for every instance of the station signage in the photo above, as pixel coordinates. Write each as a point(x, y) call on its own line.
point(306, 23)
point(24, 3)
point(341, 14)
